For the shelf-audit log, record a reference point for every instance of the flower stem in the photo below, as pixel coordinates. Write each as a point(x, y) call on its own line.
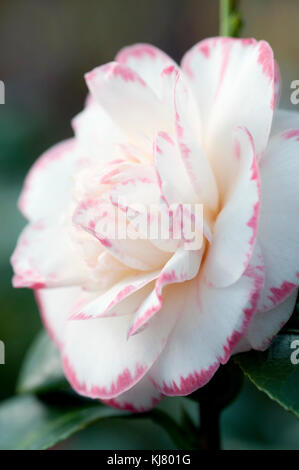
point(222, 390)
point(209, 431)
point(230, 18)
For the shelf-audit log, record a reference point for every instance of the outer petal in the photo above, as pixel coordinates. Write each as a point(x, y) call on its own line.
point(266, 325)
point(279, 218)
point(123, 298)
point(148, 61)
point(213, 322)
point(47, 257)
point(181, 267)
point(118, 88)
point(55, 307)
point(236, 226)
point(142, 397)
point(233, 81)
point(38, 199)
point(98, 360)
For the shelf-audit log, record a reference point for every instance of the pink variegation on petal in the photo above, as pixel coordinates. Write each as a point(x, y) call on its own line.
point(196, 348)
point(123, 298)
point(193, 156)
point(98, 360)
point(236, 226)
point(221, 72)
point(148, 61)
point(118, 88)
point(99, 218)
point(143, 397)
point(181, 267)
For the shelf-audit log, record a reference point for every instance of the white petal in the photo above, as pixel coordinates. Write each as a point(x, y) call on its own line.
point(212, 323)
point(181, 267)
point(46, 256)
point(279, 218)
point(236, 226)
point(98, 360)
point(148, 61)
point(233, 82)
point(55, 307)
point(38, 198)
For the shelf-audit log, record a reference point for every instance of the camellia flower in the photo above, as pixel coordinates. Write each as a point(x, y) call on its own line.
point(137, 319)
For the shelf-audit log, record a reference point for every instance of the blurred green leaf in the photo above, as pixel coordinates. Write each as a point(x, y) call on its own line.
point(26, 423)
point(173, 429)
point(273, 372)
point(42, 370)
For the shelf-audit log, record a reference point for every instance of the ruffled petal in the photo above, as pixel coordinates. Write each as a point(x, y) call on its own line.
point(233, 82)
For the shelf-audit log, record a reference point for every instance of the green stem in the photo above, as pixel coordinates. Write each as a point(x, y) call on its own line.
point(230, 18)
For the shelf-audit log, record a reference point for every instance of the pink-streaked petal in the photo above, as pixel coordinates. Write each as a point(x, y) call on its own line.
point(212, 323)
point(122, 299)
point(236, 226)
point(173, 179)
point(233, 82)
point(139, 198)
point(38, 200)
point(108, 224)
point(142, 397)
point(279, 215)
point(98, 360)
point(47, 257)
point(193, 156)
point(148, 61)
point(266, 325)
point(181, 267)
point(55, 307)
point(118, 89)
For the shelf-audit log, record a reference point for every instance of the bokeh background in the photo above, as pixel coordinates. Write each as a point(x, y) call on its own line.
point(45, 48)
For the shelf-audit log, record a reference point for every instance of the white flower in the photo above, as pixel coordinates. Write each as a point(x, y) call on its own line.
point(138, 319)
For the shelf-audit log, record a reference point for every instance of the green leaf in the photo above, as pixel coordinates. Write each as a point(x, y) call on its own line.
point(42, 370)
point(26, 423)
point(273, 372)
point(173, 429)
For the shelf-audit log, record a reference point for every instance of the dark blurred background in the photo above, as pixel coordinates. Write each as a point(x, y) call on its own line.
point(45, 48)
